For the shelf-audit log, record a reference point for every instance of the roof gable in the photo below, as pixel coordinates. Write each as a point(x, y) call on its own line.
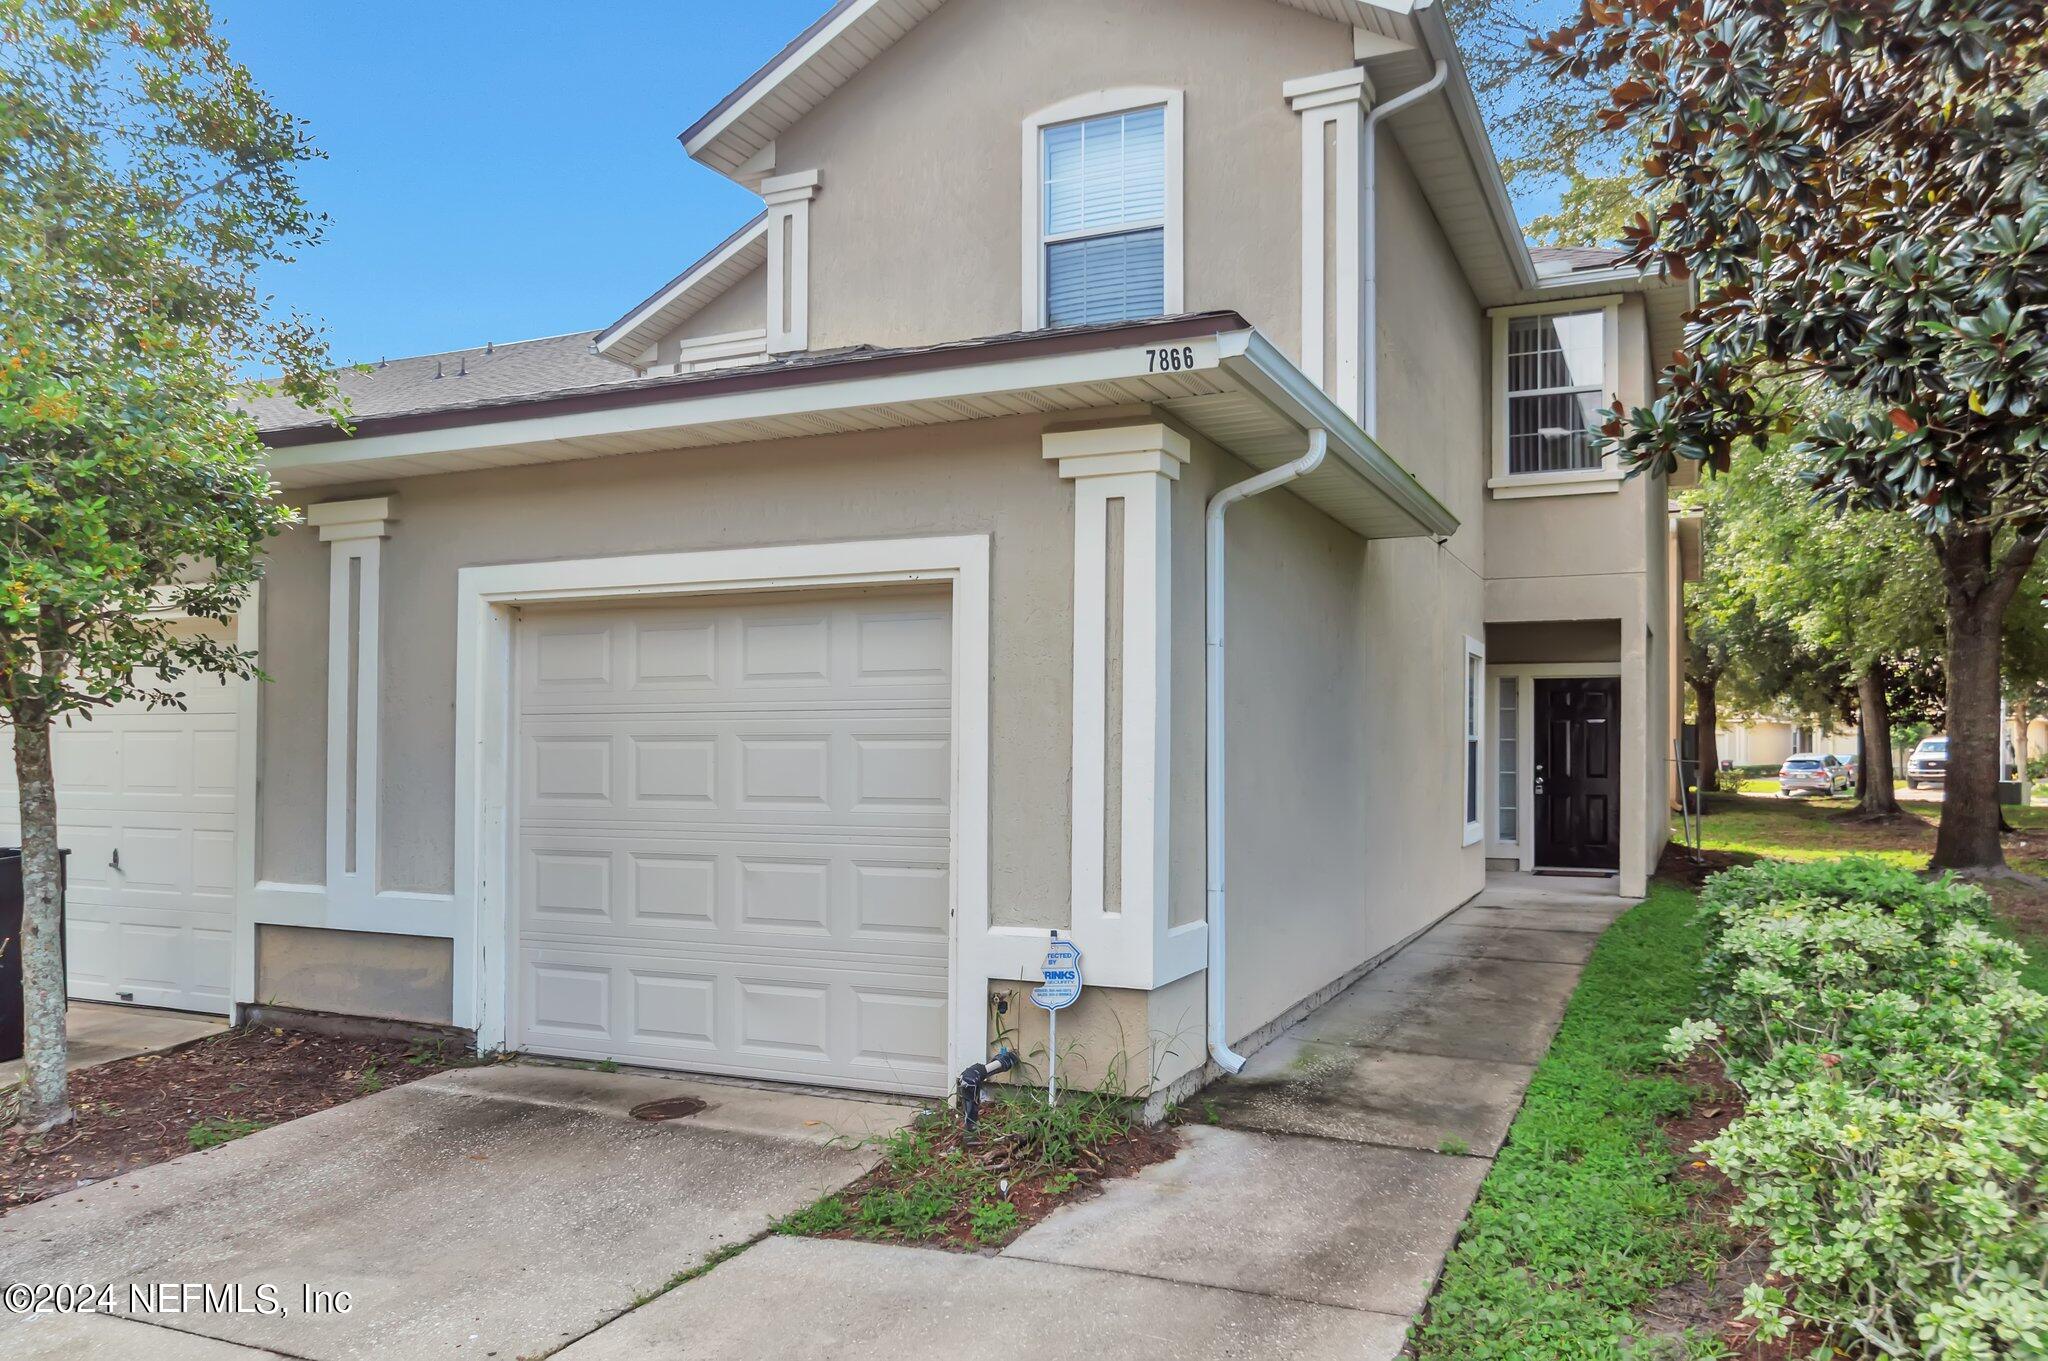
point(676, 301)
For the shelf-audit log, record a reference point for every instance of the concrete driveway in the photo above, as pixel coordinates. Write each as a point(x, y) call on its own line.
point(491, 1212)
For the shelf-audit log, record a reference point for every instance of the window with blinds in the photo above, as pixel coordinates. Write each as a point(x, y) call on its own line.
point(1104, 193)
point(1556, 369)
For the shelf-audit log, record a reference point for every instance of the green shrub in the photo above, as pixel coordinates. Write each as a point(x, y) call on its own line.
point(1866, 972)
point(1917, 1227)
point(1894, 1144)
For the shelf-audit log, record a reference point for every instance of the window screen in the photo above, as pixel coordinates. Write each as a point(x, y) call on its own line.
point(1556, 368)
point(1105, 218)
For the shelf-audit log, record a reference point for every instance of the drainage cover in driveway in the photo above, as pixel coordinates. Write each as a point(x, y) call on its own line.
point(673, 1108)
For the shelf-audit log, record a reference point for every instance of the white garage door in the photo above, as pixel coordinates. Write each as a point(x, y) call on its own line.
point(733, 837)
point(146, 806)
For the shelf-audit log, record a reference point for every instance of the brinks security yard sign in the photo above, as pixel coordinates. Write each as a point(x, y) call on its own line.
point(1061, 988)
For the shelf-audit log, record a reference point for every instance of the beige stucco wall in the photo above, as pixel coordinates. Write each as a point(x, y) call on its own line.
point(1121, 1038)
point(356, 973)
point(985, 477)
point(916, 233)
point(742, 307)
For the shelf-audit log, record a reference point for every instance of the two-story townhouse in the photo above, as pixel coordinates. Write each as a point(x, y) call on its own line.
point(754, 684)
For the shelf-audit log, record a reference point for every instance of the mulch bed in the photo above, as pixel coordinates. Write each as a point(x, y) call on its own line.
point(138, 1111)
point(1679, 866)
point(1139, 1148)
point(1710, 1307)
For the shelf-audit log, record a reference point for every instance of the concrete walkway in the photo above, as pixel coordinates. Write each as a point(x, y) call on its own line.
point(1311, 1221)
point(100, 1032)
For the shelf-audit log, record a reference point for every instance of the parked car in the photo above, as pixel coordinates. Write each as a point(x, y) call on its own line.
point(1928, 765)
point(1819, 776)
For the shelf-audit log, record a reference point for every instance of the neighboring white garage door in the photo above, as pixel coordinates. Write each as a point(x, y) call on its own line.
point(146, 806)
point(733, 836)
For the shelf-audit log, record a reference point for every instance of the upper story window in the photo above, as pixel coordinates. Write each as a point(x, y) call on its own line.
point(1102, 203)
point(1555, 369)
point(1105, 219)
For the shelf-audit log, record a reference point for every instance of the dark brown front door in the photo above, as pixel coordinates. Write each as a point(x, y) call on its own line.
point(1578, 774)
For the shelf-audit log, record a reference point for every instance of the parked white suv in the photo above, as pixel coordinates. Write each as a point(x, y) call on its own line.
point(1817, 775)
point(1928, 764)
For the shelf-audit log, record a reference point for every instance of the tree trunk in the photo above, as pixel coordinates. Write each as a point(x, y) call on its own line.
point(1874, 793)
point(1978, 590)
point(1706, 718)
point(45, 1092)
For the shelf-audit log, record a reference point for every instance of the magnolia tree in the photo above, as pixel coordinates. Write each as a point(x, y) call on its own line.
point(1857, 188)
point(143, 179)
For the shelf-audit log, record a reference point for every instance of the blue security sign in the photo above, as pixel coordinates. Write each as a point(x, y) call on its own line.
point(1062, 986)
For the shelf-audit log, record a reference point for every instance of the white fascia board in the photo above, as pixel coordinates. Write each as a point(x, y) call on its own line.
point(624, 335)
point(1442, 45)
point(1259, 366)
point(795, 61)
point(850, 393)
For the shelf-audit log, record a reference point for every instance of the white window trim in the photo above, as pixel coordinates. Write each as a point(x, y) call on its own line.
point(1578, 482)
point(1098, 104)
point(1472, 691)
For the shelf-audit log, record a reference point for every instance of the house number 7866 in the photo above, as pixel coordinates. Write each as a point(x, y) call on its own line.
point(1170, 359)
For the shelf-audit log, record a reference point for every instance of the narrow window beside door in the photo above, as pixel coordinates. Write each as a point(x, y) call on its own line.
point(1507, 761)
point(1475, 689)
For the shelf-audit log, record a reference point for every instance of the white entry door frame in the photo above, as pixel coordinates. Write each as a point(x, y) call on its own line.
point(485, 742)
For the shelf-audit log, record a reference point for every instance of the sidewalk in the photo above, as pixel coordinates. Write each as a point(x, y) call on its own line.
point(1311, 1220)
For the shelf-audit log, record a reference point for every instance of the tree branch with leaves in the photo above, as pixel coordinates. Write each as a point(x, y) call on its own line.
point(144, 178)
point(1857, 188)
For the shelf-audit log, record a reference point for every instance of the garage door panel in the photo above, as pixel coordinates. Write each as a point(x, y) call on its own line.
point(157, 786)
point(672, 1010)
point(733, 821)
point(866, 772)
point(846, 898)
point(742, 1016)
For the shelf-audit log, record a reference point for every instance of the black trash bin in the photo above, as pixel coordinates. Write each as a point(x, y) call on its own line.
point(13, 1004)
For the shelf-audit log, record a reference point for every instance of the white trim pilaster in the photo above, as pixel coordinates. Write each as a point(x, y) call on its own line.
point(1122, 774)
point(789, 259)
point(1332, 109)
point(355, 532)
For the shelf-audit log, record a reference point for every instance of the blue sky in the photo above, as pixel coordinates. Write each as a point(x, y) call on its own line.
point(500, 171)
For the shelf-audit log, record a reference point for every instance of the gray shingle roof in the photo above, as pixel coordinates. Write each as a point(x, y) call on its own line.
point(1551, 261)
point(483, 376)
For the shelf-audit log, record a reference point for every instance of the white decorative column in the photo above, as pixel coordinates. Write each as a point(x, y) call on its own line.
point(1332, 109)
point(1122, 774)
point(355, 532)
point(789, 259)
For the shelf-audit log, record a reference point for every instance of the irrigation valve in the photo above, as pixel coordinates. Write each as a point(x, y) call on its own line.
point(971, 1078)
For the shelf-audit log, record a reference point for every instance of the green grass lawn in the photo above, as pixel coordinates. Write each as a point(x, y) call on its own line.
point(1579, 1224)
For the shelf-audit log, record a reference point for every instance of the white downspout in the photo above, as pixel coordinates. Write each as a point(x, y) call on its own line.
point(1318, 446)
point(1369, 248)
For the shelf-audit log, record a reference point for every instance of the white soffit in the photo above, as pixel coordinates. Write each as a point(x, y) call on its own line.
point(1236, 390)
point(730, 261)
point(799, 78)
point(853, 33)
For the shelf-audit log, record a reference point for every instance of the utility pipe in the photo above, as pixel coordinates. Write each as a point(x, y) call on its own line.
point(1318, 446)
point(1369, 320)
